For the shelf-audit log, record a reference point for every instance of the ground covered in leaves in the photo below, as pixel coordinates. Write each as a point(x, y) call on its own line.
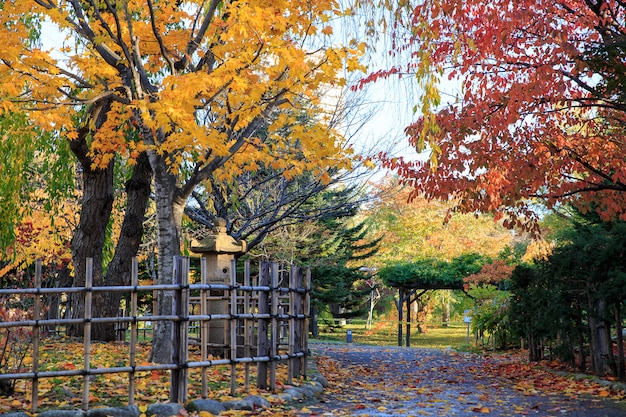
point(111, 390)
point(391, 381)
point(364, 380)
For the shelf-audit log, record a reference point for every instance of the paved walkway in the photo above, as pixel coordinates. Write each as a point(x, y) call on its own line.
point(392, 381)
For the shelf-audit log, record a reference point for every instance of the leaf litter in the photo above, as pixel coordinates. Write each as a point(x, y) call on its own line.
point(111, 390)
point(391, 381)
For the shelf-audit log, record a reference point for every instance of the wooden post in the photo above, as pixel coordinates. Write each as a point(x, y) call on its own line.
point(297, 310)
point(292, 324)
point(36, 337)
point(178, 376)
point(204, 327)
point(248, 329)
point(400, 305)
point(263, 348)
point(274, 341)
point(408, 320)
point(134, 278)
point(305, 325)
point(233, 326)
point(87, 331)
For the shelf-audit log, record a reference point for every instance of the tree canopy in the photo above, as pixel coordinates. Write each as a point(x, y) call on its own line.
point(533, 109)
point(418, 229)
point(433, 274)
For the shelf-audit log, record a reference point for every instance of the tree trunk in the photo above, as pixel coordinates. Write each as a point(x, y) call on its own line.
point(314, 323)
point(598, 344)
point(169, 207)
point(96, 207)
point(118, 272)
point(620, 341)
point(90, 235)
point(445, 312)
point(610, 363)
point(408, 321)
point(535, 352)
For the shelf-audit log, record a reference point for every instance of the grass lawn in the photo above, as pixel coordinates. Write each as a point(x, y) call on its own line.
point(386, 334)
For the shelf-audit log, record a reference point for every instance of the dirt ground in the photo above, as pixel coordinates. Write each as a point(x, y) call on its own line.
point(393, 381)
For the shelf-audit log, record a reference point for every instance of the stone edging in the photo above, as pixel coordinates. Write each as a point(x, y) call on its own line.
point(612, 385)
point(313, 386)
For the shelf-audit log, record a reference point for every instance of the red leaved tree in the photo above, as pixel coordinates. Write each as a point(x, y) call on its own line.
point(541, 108)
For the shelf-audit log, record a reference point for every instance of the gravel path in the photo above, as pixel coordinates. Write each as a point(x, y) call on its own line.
point(392, 381)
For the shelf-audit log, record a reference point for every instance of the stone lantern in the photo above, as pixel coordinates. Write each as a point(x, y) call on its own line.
point(219, 249)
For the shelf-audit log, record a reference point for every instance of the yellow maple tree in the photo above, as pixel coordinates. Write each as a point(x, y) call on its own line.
point(206, 87)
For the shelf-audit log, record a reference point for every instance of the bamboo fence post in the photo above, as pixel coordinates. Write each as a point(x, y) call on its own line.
point(134, 278)
point(233, 326)
point(184, 331)
point(274, 315)
point(292, 322)
point(181, 329)
point(247, 327)
point(36, 336)
point(307, 313)
point(175, 373)
point(204, 327)
point(263, 347)
point(87, 331)
point(298, 310)
point(178, 376)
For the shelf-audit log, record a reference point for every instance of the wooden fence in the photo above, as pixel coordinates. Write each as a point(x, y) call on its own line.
point(266, 322)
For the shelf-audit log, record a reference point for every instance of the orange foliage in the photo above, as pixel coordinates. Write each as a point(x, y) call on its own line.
point(41, 235)
point(422, 228)
point(491, 273)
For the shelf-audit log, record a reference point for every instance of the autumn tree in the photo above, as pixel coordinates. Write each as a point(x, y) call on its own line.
point(38, 204)
point(188, 83)
point(414, 279)
point(255, 204)
point(419, 228)
point(521, 102)
point(33, 183)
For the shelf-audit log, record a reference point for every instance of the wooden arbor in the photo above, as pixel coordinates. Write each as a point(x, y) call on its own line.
point(413, 279)
point(410, 293)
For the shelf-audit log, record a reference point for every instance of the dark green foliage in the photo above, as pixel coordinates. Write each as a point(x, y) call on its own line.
point(544, 311)
point(343, 248)
point(574, 298)
point(432, 273)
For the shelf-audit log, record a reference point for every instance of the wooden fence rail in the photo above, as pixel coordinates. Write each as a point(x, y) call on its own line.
point(266, 323)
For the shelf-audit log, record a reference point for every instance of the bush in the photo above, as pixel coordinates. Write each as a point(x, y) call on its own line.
point(15, 342)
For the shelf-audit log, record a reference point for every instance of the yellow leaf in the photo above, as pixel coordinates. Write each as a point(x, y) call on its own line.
point(206, 414)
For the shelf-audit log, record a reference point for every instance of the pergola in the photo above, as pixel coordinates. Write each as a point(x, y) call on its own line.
point(411, 292)
point(413, 279)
